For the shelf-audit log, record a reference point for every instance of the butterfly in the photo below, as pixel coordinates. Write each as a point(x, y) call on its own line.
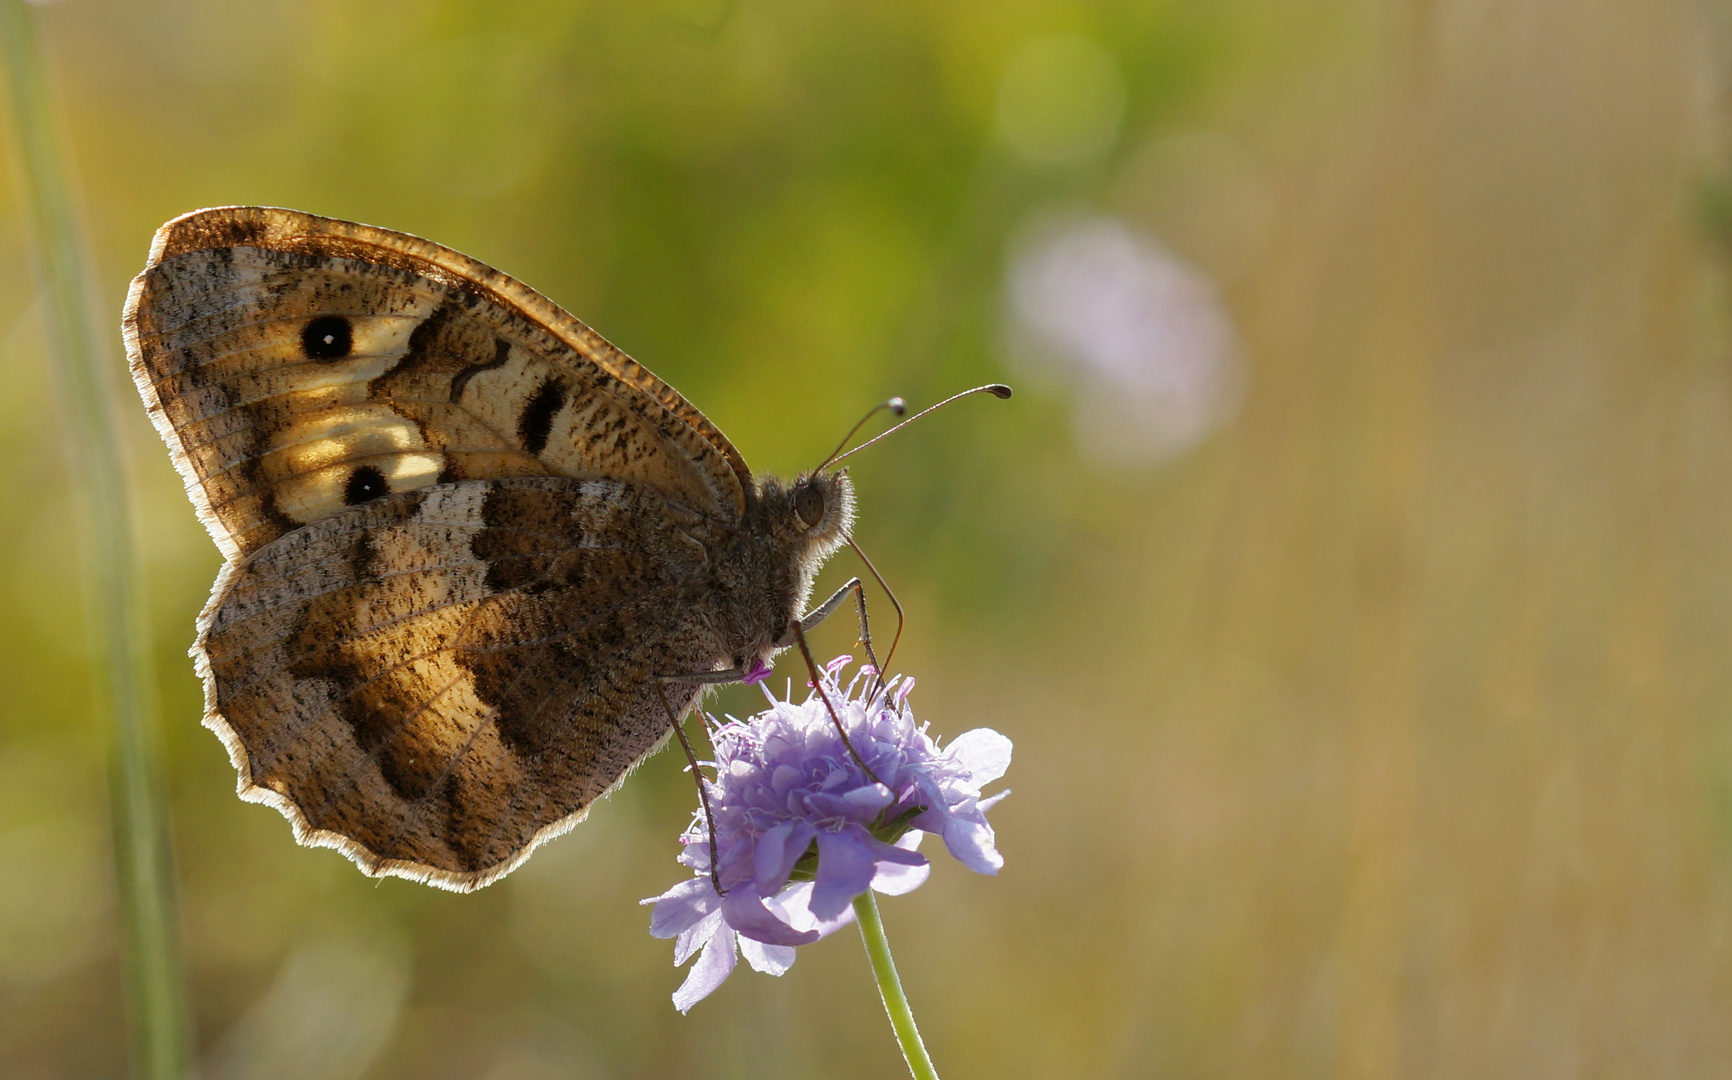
point(467, 541)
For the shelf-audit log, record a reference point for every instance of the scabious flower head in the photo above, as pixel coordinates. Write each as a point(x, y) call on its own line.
point(802, 828)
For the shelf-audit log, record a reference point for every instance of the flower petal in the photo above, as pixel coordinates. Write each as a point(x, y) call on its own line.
point(769, 959)
point(896, 854)
point(695, 937)
point(697, 855)
point(682, 906)
point(845, 869)
point(711, 971)
point(821, 805)
point(983, 752)
point(972, 843)
point(894, 880)
point(770, 851)
point(795, 906)
point(871, 797)
point(744, 910)
point(777, 852)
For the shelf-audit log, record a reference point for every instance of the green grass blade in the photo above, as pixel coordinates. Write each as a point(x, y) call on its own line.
point(144, 867)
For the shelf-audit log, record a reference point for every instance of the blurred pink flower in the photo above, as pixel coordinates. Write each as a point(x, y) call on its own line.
point(1141, 335)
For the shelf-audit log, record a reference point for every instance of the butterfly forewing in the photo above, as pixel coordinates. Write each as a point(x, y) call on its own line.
point(301, 365)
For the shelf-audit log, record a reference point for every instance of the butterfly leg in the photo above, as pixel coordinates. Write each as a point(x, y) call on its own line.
point(698, 777)
point(708, 678)
point(818, 688)
point(810, 621)
point(865, 629)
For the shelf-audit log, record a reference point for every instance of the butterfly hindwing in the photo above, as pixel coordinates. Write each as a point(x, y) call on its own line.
point(438, 680)
point(299, 365)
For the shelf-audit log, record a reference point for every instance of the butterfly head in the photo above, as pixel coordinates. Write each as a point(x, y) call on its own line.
point(812, 514)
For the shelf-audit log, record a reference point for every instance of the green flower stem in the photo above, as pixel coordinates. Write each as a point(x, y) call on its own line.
point(890, 988)
point(126, 685)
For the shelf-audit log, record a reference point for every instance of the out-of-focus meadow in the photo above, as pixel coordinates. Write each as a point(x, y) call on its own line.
point(1353, 569)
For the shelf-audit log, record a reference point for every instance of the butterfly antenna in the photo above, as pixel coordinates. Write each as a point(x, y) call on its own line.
point(896, 407)
point(997, 390)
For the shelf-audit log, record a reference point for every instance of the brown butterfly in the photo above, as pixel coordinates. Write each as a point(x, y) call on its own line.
point(465, 537)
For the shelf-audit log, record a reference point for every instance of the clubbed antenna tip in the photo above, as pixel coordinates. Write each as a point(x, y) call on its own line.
point(896, 406)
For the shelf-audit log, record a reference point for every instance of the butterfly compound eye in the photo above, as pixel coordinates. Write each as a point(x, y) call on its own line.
point(809, 504)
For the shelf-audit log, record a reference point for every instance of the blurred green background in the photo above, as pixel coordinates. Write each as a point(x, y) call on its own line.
point(1353, 569)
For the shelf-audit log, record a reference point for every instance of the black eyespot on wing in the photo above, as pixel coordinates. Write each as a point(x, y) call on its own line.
point(327, 337)
point(536, 423)
point(809, 504)
point(365, 484)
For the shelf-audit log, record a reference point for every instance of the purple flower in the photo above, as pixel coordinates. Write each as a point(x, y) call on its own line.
point(802, 828)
